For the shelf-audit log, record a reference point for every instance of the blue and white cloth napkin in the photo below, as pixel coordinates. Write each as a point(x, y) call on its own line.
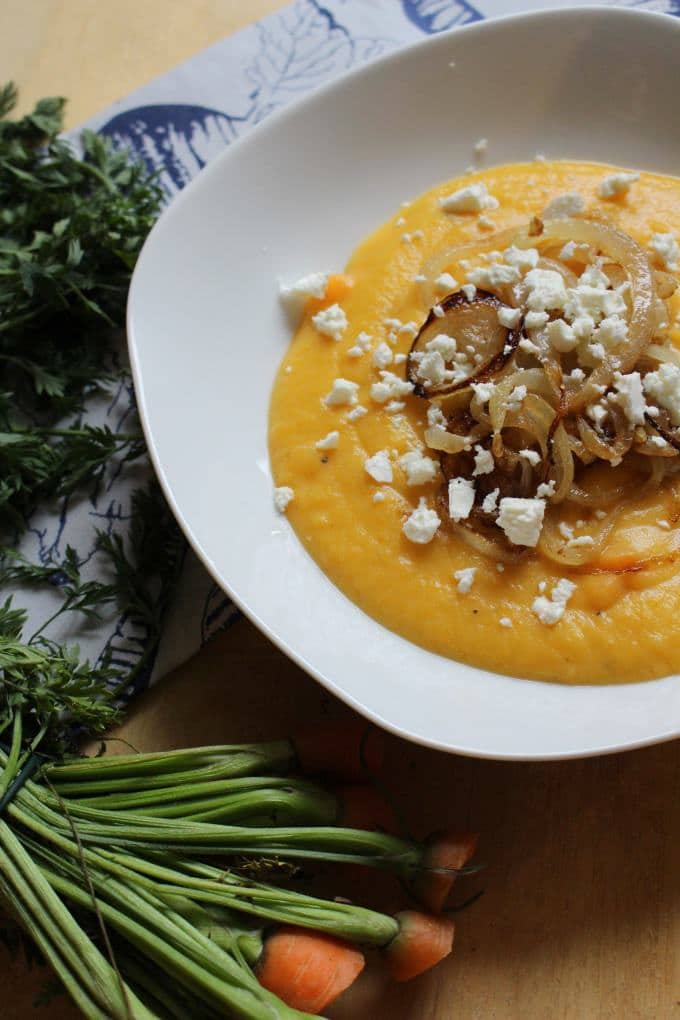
point(177, 124)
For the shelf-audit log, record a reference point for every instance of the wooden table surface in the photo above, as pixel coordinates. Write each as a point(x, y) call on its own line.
point(581, 914)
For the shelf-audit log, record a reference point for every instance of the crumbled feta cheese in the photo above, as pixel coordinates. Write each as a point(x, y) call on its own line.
point(445, 282)
point(600, 514)
point(509, 317)
point(535, 320)
point(329, 442)
point(484, 462)
point(483, 391)
point(545, 490)
point(417, 235)
point(394, 406)
point(481, 146)
point(382, 356)
point(505, 621)
point(530, 456)
point(358, 412)
point(391, 387)
point(597, 413)
point(564, 206)
point(288, 369)
point(431, 368)
point(379, 467)
point(496, 274)
point(422, 524)
point(435, 416)
point(667, 250)
point(612, 331)
point(616, 184)
point(546, 290)
point(399, 359)
point(521, 519)
point(362, 344)
point(576, 375)
point(516, 397)
point(378, 496)
point(400, 221)
point(343, 392)
point(586, 301)
point(294, 297)
point(561, 335)
point(565, 530)
point(664, 524)
point(331, 321)
point(630, 396)
point(658, 441)
point(473, 198)
point(470, 291)
point(283, 494)
point(484, 223)
point(550, 610)
point(664, 387)
point(418, 469)
point(443, 344)
point(465, 578)
point(580, 540)
point(490, 502)
point(523, 259)
point(438, 311)
point(420, 278)
point(596, 352)
point(461, 498)
point(542, 585)
point(406, 238)
point(355, 352)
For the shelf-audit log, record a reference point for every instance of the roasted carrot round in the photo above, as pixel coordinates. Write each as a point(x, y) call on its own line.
point(423, 941)
point(306, 969)
point(446, 850)
point(344, 749)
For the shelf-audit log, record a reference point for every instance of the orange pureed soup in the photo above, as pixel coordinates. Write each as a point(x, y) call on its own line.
point(479, 422)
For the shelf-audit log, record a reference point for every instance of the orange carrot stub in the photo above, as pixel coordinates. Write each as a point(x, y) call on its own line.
point(446, 850)
point(306, 969)
point(423, 941)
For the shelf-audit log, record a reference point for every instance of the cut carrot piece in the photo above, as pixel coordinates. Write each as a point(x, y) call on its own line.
point(450, 850)
point(423, 941)
point(362, 807)
point(306, 969)
point(338, 748)
point(339, 285)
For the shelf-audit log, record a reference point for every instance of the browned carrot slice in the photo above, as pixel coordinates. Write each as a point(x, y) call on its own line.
point(423, 941)
point(447, 850)
point(306, 969)
point(340, 748)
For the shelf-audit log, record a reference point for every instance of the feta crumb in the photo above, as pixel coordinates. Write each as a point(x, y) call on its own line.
point(391, 387)
point(484, 462)
point(580, 540)
point(490, 502)
point(542, 585)
point(435, 416)
point(406, 238)
point(358, 412)
point(531, 456)
point(664, 387)
point(378, 467)
point(509, 317)
point(288, 369)
point(394, 406)
point(443, 344)
point(420, 278)
point(343, 392)
point(516, 397)
point(616, 184)
point(480, 147)
point(331, 321)
point(483, 391)
point(496, 274)
point(630, 396)
point(550, 611)
point(329, 442)
point(470, 291)
point(294, 296)
point(409, 329)
point(562, 207)
point(473, 198)
point(283, 494)
point(355, 352)
point(446, 283)
point(438, 311)
point(535, 320)
point(600, 514)
point(565, 530)
point(400, 221)
point(522, 259)
point(667, 250)
point(664, 524)
point(612, 331)
point(546, 489)
point(546, 290)
point(417, 235)
point(399, 359)
point(431, 368)
point(505, 621)
point(561, 335)
point(418, 468)
point(382, 356)
point(465, 578)
point(521, 519)
point(658, 441)
point(461, 498)
point(378, 496)
point(422, 524)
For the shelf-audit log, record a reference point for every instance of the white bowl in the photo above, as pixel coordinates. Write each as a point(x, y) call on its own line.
point(297, 194)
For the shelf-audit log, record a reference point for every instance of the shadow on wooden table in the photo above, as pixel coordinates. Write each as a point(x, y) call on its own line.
point(581, 912)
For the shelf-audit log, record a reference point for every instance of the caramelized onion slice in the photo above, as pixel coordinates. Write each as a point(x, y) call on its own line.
point(471, 324)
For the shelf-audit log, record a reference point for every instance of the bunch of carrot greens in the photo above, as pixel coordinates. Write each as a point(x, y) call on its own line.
point(154, 884)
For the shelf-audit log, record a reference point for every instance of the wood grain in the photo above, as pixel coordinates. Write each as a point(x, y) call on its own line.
point(580, 919)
